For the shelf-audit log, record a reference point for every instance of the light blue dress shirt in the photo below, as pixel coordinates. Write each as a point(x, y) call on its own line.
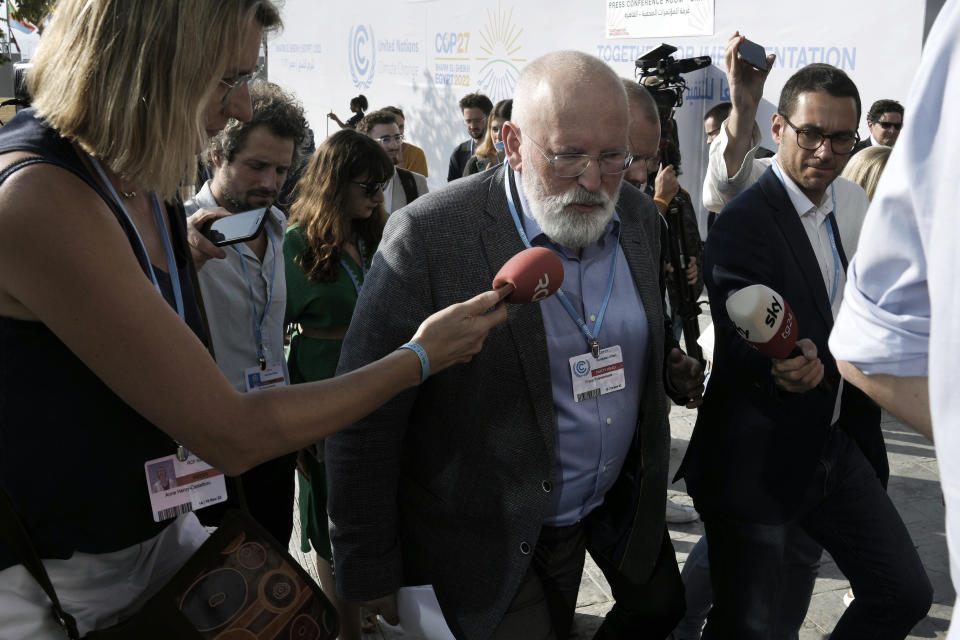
point(593, 436)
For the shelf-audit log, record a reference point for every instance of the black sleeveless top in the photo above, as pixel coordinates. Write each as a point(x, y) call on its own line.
point(72, 453)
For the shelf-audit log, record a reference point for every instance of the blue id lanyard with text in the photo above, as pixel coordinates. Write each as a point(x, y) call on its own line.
point(258, 324)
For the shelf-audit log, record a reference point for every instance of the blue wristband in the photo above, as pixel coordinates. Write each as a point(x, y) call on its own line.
point(424, 360)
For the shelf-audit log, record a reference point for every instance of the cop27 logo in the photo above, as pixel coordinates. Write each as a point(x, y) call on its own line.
point(362, 54)
point(582, 368)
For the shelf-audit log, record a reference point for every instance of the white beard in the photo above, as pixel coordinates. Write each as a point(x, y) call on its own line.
point(561, 223)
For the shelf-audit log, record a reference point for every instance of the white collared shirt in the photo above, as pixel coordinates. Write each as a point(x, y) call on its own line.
point(815, 223)
point(901, 311)
point(226, 298)
point(388, 191)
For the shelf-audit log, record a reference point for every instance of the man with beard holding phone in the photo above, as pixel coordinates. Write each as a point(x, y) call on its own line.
point(490, 482)
point(244, 293)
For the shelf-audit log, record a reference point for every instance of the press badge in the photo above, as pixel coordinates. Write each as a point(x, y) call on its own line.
point(177, 487)
point(256, 378)
point(594, 377)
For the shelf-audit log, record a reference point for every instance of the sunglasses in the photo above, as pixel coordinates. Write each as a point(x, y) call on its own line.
point(370, 188)
point(887, 125)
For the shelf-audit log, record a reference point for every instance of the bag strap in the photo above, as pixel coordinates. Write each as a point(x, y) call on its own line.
point(16, 537)
point(409, 184)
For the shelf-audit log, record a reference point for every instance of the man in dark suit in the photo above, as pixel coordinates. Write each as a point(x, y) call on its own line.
point(884, 121)
point(774, 458)
point(475, 108)
point(490, 481)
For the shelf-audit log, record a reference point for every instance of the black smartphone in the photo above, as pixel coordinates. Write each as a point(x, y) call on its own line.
point(753, 54)
point(238, 227)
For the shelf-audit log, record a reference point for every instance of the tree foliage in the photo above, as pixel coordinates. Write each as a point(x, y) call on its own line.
point(33, 12)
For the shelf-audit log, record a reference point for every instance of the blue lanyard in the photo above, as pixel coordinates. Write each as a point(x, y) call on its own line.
point(590, 335)
point(258, 324)
point(363, 269)
point(833, 239)
point(161, 229)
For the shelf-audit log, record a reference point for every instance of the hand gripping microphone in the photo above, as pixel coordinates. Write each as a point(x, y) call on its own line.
point(764, 319)
point(534, 274)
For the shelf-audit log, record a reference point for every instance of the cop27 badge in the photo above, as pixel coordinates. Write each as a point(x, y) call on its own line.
point(178, 487)
point(594, 377)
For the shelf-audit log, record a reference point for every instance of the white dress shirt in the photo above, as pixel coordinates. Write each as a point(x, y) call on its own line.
point(901, 311)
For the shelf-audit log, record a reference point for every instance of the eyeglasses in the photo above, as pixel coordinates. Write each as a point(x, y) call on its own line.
point(572, 165)
point(370, 188)
point(841, 143)
point(713, 134)
point(395, 139)
point(232, 84)
point(886, 125)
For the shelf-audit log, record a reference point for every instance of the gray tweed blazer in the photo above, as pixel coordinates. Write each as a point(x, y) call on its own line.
point(448, 483)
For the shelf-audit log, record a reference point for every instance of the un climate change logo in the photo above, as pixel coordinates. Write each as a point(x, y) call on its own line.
point(363, 54)
point(582, 368)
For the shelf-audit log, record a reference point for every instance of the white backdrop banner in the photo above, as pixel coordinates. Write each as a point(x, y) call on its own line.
point(424, 55)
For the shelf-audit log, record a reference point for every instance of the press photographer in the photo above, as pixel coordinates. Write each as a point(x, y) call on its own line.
point(680, 240)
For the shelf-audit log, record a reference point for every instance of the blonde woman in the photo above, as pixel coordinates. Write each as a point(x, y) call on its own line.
point(103, 369)
point(866, 166)
point(489, 152)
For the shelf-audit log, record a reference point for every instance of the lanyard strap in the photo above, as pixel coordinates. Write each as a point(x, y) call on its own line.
point(590, 335)
point(172, 270)
point(363, 269)
point(258, 324)
point(830, 235)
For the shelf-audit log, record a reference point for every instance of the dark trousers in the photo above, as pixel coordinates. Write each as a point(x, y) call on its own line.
point(547, 598)
point(852, 518)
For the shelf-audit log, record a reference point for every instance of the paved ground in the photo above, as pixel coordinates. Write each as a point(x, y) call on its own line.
point(915, 490)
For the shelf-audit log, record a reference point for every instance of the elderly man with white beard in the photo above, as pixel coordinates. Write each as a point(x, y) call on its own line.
point(491, 481)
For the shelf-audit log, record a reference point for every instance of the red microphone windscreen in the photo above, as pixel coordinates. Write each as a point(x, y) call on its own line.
point(764, 319)
point(535, 273)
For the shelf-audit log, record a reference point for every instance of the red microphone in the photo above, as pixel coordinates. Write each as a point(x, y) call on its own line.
point(764, 319)
point(534, 274)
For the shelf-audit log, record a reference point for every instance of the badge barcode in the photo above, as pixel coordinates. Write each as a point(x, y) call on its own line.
point(586, 395)
point(173, 512)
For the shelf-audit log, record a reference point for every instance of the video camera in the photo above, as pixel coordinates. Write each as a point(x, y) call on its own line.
point(667, 85)
point(662, 76)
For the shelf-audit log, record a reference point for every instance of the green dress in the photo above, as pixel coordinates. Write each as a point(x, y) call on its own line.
point(316, 305)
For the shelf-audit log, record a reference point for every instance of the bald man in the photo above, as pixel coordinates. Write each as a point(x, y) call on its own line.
point(490, 481)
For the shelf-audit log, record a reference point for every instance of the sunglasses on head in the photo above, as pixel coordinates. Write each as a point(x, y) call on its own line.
point(370, 188)
point(887, 125)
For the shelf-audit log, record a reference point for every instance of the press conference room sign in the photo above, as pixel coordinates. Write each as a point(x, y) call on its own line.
point(659, 18)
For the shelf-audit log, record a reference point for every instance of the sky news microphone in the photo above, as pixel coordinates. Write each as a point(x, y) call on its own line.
point(533, 274)
point(764, 319)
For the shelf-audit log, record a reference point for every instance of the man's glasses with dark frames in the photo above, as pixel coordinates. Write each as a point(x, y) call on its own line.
point(572, 165)
point(841, 143)
point(887, 125)
point(370, 188)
